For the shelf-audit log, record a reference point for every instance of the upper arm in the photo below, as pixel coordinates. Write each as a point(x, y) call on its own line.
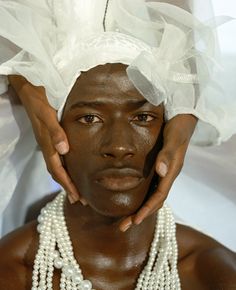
point(217, 267)
point(14, 262)
point(213, 264)
point(12, 270)
point(12, 274)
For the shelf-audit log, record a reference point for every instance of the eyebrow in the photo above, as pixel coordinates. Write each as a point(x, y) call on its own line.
point(97, 104)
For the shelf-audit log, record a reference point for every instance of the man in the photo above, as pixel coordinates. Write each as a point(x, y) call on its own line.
point(114, 136)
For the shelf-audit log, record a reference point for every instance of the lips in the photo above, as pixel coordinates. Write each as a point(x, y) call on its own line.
point(119, 179)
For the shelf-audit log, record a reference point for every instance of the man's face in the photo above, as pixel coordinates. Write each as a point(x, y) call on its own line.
point(114, 136)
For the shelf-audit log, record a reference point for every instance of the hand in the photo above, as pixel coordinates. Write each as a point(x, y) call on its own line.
point(169, 162)
point(48, 132)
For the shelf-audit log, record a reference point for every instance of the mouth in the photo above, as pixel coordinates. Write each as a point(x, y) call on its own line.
point(119, 179)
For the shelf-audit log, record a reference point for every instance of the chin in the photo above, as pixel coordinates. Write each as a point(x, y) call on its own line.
point(117, 204)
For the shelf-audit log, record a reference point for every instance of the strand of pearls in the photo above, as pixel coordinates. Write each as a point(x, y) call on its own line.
point(161, 272)
point(56, 251)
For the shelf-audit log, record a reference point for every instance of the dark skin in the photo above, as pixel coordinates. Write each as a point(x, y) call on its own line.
point(53, 142)
point(108, 115)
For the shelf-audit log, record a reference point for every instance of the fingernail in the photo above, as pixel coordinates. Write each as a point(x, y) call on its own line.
point(163, 169)
point(71, 199)
point(61, 148)
point(124, 229)
point(74, 196)
point(138, 221)
point(83, 201)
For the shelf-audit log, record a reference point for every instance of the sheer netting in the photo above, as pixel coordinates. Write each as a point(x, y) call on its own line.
point(171, 55)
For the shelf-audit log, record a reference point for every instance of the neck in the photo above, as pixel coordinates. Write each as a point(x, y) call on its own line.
point(88, 227)
point(104, 254)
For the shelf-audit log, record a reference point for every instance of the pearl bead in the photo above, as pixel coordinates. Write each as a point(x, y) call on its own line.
point(68, 270)
point(86, 285)
point(55, 250)
point(58, 263)
point(39, 228)
point(77, 278)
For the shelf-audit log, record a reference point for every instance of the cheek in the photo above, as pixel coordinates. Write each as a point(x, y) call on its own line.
point(78, 161)
point(84, 160)
point(149, 146)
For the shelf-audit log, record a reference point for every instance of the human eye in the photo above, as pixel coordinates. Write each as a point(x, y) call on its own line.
point(144, 117)
point(89, 119)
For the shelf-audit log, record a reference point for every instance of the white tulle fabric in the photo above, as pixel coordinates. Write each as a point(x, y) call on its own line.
point(169, 53)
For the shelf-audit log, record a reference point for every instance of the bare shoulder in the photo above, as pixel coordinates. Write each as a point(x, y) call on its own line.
point(16, 250)
point(206, 260)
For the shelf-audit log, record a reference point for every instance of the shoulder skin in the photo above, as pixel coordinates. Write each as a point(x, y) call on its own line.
point(204, 264)
point(16, 250)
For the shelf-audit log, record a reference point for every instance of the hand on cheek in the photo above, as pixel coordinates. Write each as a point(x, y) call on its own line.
point(169, 162)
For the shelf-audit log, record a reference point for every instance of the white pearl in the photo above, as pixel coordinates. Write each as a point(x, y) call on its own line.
point(56, 254)
point(77, 278)
point(39, 228)
point(86, 285)
point(58, 263)
point(68, 270)
point(159, 273)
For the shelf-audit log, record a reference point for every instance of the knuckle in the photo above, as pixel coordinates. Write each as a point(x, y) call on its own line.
point(161, 200)
point(158, 206)
point(56, 134)
point(52, 171)
point(168, 154)
point(148, 206)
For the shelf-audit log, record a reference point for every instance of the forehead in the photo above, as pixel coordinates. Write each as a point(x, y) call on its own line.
point(105, 82)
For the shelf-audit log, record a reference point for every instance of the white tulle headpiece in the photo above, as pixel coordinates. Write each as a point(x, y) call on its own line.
point(167, 50)
point(169, 53)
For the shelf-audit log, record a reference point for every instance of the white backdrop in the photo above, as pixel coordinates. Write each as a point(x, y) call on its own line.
point(204, 194)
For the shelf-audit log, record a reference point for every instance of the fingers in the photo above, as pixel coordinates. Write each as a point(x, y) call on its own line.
point(173, 158)
point(56, 143)
point(38, 108)
point(59, 140)
point(169, 163)
point(48, 132)
point(60, 175)
point(170, 160)
point(126, 224)
point(53, 161)
point(153, 204)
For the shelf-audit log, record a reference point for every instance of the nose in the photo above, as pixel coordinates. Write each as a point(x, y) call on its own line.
point(118, 142)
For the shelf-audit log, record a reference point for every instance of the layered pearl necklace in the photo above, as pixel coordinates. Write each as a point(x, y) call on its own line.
point(55, 251)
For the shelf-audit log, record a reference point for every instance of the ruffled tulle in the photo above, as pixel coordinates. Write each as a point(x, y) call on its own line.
point(170, 54)
point(47, 43)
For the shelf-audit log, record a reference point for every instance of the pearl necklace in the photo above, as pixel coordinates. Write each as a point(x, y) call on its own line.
point(55, 251)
